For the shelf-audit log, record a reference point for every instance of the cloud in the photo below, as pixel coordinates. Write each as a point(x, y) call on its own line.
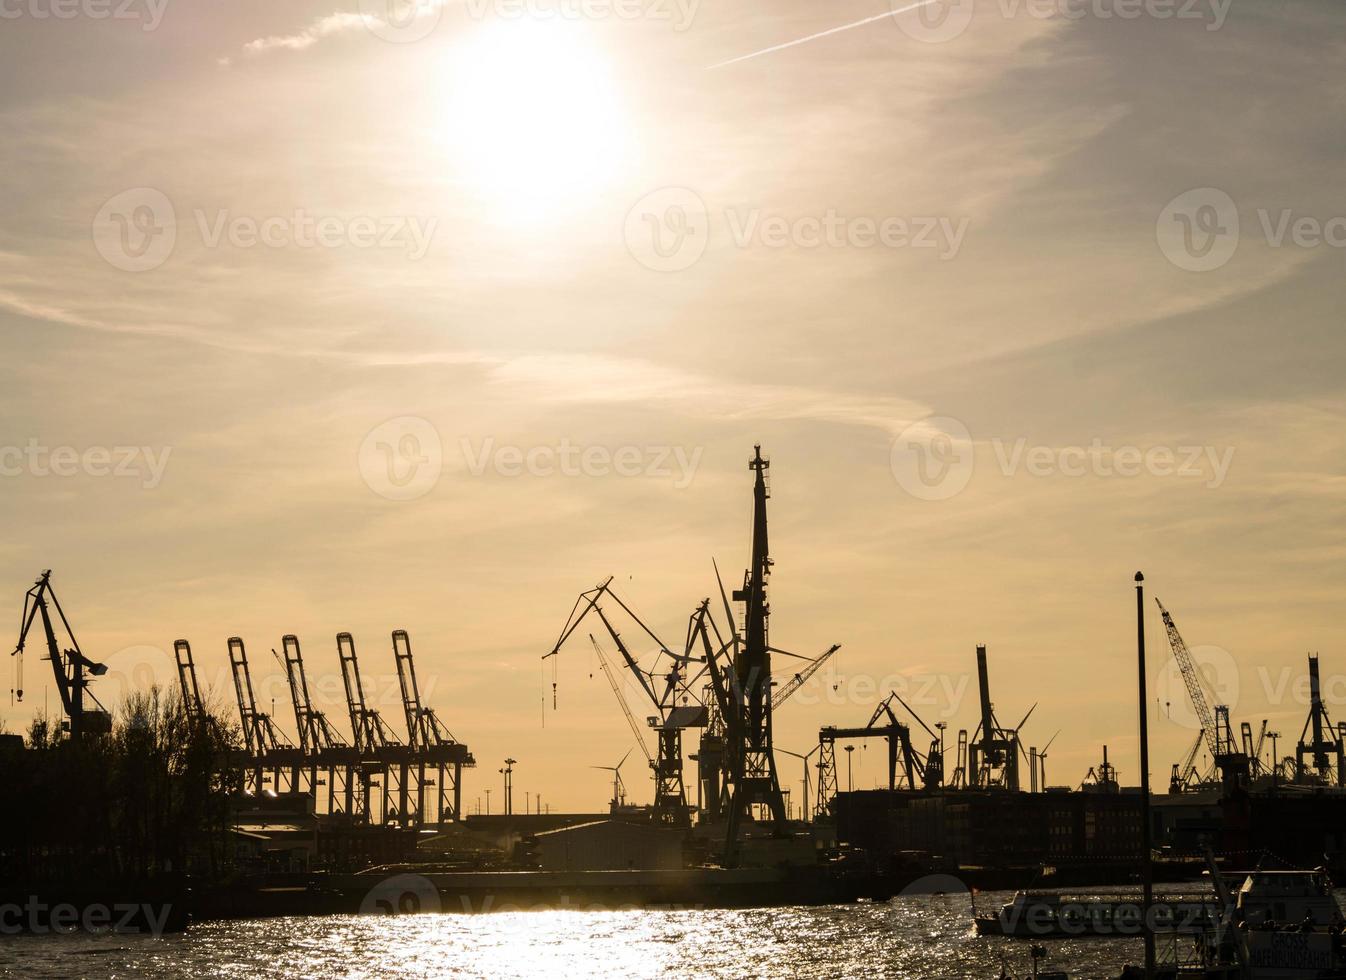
point(340, 22)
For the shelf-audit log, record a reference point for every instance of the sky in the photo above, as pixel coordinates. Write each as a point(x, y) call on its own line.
point(321, 318)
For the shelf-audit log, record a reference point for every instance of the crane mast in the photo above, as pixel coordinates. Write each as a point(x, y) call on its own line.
point(192, 705)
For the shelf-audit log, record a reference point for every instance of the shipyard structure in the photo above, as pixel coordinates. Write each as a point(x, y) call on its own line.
point(317, 811)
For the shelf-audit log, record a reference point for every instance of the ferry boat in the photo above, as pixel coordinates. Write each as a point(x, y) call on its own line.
point(1276, 925)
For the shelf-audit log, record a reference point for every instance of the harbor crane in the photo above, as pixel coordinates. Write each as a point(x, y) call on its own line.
point(898, 738)
point(267, 748)
point(1323, 752)
point(319, 742)
point(379, 750)
point(667, 690)
point(70, 668)
point(801, 677)
point(192, 705)
point(993, 752)
point(606, 668)
point(431, 742)
point(1230, 762)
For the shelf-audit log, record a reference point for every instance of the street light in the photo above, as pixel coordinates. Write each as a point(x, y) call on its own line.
point(850, 781)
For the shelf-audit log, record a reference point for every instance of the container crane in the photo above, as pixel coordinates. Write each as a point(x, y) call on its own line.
point(192, 705)
point(319, 742)
point(70, 667)
point(266, 747)
point(430, 741)
point(379, 750)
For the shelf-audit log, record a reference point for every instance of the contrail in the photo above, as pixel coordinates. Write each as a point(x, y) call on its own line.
point(814, 37)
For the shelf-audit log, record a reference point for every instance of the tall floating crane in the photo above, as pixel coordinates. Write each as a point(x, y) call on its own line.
point(430, 741)
point(69, 666)
point(757, 782)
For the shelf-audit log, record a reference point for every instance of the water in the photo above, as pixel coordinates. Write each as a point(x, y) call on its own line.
point(923, 937)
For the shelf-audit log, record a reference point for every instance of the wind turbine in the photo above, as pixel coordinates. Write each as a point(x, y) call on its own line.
point(1042, 760)
point(804, 813)
point(618, 787)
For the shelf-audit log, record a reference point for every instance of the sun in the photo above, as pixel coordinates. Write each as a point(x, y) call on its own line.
point(532, 119)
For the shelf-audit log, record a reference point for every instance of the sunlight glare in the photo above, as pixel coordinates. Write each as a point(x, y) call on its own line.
point(532, 119)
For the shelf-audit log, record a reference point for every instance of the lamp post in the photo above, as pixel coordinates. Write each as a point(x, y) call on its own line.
point(1147, 869)
point(850, 781)
point(488, 803)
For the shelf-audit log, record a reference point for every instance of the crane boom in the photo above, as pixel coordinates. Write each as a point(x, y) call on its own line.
point(1193, 681)
point(617, 692)
point(801, 678)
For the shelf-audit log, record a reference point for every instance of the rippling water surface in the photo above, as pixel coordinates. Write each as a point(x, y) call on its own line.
point(918, 937)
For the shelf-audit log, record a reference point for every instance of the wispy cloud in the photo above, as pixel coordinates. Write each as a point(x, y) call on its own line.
point(340, 22)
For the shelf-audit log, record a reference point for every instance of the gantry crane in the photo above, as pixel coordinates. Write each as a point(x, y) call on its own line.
point(1323, 754)
point(267, 748)
point(68, 666)
point(898, 738)
point(380, 751)
point(1185, 775)
point(432, 744)
point(322, 746)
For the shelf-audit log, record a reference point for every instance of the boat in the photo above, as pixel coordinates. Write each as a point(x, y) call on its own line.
point(1043, 914)
point(1273, 925)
